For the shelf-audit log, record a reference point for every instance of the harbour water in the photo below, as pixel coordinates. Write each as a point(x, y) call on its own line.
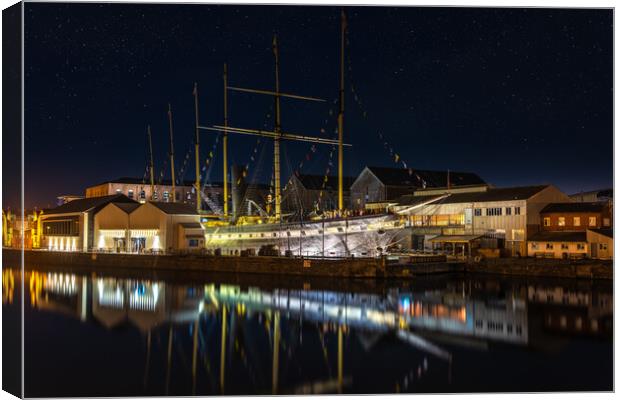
point(89, 333)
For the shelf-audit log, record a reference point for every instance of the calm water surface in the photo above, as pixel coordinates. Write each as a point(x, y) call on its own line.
point(123, 334)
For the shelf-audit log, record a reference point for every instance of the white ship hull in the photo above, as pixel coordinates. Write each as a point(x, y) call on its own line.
point(365, 236)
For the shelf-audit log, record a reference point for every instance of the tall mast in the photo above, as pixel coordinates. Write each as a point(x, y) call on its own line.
point(225, 142)
point(148, 129)
point(197, 150)
point(277, 130)
point(174, 193)
point(343, 23)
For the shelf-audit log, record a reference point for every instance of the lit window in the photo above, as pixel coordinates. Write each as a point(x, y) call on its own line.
point(581, 246)
point(166, 195)
point(508, 210)
point(118, 191)
point(606, 222)
point(546, 221)
point(561, 221)
point(592, 221)
point(549, 246)
point(576, 221)
point(534, 246)
point(602, 246)
point(517, 210)
point(564, 246)
point(130, 194)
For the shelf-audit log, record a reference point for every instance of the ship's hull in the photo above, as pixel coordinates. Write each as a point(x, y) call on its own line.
point(366, 236)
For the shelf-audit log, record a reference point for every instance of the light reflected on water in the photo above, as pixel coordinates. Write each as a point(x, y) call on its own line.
point(100, 335)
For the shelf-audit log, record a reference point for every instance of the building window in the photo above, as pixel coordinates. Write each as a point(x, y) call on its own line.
point(564, 246)
point(142, 195)
point(606, 222)
point(477, 212)
point(581, 246)
point(166, 195)
point(561, 221)
point(118, 191)
point(494, 211)
point(517, 210)
point(130, 194)
point(193, 243)
point(592, 221)
point(508, 211)
point(534, 246)
point(602, 246)
point(576, 221)
point(549, 246)
point(546, 221)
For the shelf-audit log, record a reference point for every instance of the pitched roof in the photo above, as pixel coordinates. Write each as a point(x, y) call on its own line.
point(175, 208)
point(599, 193)
point(315, 182)
point(563, 236)
point(572, 207)
point(491, 194)
point(88, 203)
point(127, 207)
point(418, 178)
point(605, 232)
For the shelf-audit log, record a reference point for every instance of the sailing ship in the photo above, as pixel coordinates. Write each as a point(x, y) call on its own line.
point(327, 233)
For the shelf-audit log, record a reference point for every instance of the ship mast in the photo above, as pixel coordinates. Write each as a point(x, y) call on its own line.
point(148, 129)
point(174, 193)
point(225, 142)
point(197, 150)
point(277, 135)
point(343, 23)
point(277, 130)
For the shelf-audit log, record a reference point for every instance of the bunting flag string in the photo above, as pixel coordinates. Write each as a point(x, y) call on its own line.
point(393, 154)
point(309, 154)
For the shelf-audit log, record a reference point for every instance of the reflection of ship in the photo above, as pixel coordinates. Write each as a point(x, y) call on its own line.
point(220, 330)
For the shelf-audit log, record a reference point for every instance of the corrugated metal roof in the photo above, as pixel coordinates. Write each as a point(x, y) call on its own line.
point(564, 236)
point(315, 182)
point(572, 207)
point(492, 194)
point(417, 177)
point(88, 203)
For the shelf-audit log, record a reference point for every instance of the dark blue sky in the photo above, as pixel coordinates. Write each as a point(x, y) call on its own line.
point(517, 96)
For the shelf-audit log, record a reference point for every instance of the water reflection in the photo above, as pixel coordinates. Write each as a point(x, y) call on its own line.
point(218, 338)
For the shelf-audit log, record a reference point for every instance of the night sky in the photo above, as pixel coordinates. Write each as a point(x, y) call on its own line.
point(518, 96)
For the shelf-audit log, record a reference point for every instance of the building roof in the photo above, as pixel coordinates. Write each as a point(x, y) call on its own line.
point(421, 178)
point(191, 225)
point(86, 204)
point(491, 194)
point(127, 207)
point(455, 238)
point(563, 236)
point(609, 232)
point(572, 207)
point(315, 182)
point(175, 208)
point(601, 193)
